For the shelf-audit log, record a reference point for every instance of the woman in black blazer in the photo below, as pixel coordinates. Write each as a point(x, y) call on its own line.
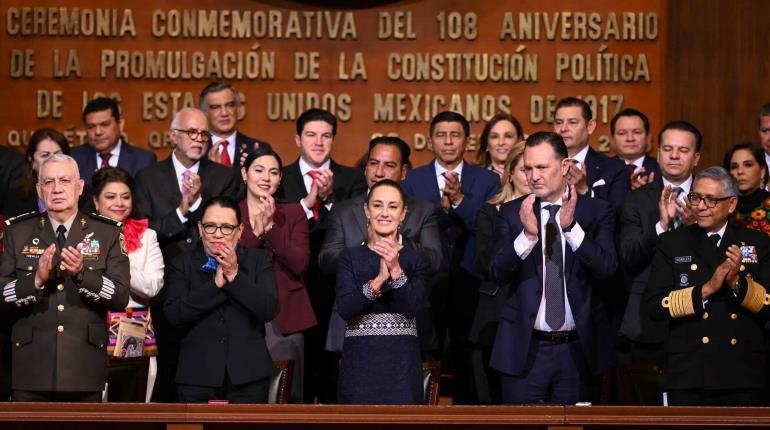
point(220, 298)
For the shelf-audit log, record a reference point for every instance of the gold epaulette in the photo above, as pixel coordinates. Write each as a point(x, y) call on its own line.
point(103, 218)
point(679, 303)
point(22, 217)
point(756, 296)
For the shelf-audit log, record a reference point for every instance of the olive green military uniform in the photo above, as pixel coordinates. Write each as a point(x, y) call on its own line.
point(59, 334)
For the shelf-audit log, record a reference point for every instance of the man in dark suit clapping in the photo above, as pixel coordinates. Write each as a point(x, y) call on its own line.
point(457, 190)
point(553, 247)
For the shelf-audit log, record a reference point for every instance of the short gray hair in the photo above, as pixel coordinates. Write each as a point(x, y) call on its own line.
point(719, 174)
point(61, 158)
point(175, 121)
point(216, 87)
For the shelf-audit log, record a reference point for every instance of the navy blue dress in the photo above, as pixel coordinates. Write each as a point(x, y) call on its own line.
point(381, 354)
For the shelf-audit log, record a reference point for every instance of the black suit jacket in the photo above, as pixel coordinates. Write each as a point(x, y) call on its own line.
point(157, 197)
point(636, 248)
point(348, 182)
point(11, 176)
point(607, 178)
point(131, 159)
point(721, 344)
point(243, 145)
point(222, 329)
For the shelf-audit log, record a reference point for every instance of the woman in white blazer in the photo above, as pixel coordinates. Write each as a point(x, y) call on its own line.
point(113, 198)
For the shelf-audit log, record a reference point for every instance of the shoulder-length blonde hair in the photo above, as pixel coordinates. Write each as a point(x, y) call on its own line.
point(508, 192)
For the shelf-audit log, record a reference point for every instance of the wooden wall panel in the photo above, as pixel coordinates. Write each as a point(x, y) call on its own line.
point(718, 69)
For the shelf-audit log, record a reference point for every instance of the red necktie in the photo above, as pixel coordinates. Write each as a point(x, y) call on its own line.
point(105, 160)
point(317, 207)
point(225, 160)
point(631, 169)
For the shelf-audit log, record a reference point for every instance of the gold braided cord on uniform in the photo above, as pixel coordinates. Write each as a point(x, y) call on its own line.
point(755, 295)
point(679, 303)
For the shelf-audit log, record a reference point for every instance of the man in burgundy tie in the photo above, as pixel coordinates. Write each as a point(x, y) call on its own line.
point(222, 104)
point(318, 184)
point(105, 147)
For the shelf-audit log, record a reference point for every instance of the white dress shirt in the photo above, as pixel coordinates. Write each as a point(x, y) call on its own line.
point(523, 246)
point(441, 170)
point(304, 168)
point(638, 163)
point(686, 186)
point(230, 145)
point(179, 169)
point(113, 161)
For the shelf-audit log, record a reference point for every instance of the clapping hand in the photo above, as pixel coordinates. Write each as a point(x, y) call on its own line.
point(228, 266)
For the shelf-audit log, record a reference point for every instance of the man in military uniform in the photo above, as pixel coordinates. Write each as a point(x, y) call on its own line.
point(60, 272)
point(708, 280)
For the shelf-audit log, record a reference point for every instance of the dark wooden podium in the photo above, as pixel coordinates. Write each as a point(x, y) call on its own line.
point(124, 416)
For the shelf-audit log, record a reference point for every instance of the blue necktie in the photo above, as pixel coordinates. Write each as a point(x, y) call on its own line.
point(554, 272)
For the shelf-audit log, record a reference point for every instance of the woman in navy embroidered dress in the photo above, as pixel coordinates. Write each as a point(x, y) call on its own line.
point(380, 286)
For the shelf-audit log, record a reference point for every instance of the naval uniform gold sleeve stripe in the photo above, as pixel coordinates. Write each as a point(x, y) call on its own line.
point(9, 292)
point(755, 295)
point(680, 303)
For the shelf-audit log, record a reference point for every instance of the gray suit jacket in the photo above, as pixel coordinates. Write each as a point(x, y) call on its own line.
point(346, 228)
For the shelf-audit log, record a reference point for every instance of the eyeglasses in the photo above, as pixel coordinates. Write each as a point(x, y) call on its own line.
point(710, 202)
point(194, 134)
point(226, 229)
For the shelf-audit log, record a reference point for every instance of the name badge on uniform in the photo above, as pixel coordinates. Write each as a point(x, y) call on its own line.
point(749, 254)
point(90, 249)
point(684, 280)
point(683, 259)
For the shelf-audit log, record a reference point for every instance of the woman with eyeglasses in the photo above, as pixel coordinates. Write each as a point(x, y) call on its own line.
point(282, 230)
point(501, 133)
point(381, 285)
point(220, 296)
point(746, 163)
point(113, 190)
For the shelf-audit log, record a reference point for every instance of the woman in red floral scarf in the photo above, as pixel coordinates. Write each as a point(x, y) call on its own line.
point(746, 163)
point(113, 198)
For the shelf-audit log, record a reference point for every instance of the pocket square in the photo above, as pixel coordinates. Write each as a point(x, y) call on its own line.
point(598, 183)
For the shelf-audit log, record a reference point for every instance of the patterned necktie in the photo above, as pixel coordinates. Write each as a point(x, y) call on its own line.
point(317, 206)
point(677, 219)
point(554, 272)
point(225, 160)
point(60, 238)
point(105, 160)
